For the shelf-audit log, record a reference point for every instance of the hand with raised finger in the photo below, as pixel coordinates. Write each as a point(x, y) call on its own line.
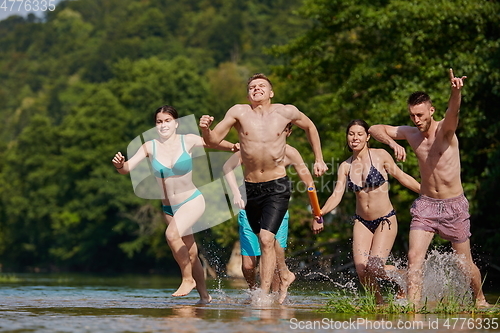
point(456, 82)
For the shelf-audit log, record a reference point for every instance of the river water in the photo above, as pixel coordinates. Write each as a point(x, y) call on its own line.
point(85, 303)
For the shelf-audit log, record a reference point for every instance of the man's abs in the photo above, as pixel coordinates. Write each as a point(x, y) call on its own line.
point(440, 185)
point(260, 175)
point(263, 162)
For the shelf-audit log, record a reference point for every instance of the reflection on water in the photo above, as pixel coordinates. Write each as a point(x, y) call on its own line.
point(77, 303)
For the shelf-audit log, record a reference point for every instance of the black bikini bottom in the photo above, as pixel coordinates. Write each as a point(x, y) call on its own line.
point(373, 224)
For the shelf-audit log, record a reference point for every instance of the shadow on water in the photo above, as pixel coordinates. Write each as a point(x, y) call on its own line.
point(89, 303)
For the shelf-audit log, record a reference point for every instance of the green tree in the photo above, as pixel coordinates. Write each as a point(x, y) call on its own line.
point(29, 194)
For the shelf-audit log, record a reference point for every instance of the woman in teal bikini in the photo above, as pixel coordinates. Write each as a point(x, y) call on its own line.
point(375, 225)
point(182, 203)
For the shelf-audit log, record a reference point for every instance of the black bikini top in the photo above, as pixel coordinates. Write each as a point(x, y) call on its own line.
point(373, 179)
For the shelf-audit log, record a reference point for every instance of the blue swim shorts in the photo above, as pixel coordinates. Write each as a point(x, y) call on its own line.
point(249, 241)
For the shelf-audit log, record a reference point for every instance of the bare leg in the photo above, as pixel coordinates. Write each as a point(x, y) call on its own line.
point(198, 273)
point(249, 266)
point(184, 254)
point(267, 260)
point(181, 256)
point(361, 245)
point(463, 249)
point(419, 243)
point(381, 246)
point(286, 277)
point(275, 283)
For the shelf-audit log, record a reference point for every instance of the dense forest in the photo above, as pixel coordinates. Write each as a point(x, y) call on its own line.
point(83, 81)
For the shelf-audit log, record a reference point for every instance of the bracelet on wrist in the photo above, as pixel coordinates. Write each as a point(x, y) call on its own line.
point(119, 168)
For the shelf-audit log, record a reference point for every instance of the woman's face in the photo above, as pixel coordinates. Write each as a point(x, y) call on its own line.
point(166, 125)
point(357, 137)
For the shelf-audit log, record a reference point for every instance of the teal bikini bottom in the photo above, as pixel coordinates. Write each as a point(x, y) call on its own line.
point(171, 210)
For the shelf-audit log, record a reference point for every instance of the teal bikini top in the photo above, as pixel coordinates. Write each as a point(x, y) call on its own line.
point(182, 166)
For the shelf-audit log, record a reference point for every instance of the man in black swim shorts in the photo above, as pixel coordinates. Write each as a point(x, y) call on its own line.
point(267, 203)
point(261, 127)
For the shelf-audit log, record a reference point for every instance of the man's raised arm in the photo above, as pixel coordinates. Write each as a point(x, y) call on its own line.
point(215, 136)
point(450, 122)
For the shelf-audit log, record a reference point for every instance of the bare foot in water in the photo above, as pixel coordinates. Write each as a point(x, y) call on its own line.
point(285, 283)
point(204, 300)
point(483, 304)
point(185, 288)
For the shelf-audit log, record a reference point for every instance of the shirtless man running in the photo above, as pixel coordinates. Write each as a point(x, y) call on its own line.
point(441, 207)
point(261, 130)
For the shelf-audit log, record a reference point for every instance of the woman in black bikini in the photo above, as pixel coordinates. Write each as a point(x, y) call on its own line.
point(375, 224)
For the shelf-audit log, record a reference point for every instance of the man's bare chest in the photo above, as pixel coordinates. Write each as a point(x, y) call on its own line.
point(432, 150)
point(261, 130)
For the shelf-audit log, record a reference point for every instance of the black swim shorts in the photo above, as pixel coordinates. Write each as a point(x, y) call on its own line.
point(267, 203)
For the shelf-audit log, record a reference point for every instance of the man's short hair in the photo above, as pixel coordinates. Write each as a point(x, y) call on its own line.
point(259, 76)
point(419, 97)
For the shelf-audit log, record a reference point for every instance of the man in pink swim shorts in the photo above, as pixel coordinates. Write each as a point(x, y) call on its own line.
point(442, 207)
point(449, 218)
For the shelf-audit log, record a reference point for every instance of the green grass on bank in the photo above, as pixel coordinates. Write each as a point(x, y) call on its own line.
point(349, 302)
point(9, 278)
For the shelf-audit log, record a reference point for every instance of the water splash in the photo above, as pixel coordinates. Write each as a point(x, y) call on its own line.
point(445, 278)
point(445, 284)
point(398, 273)
point(350, 285)
point(219, 295)
point(260, 299)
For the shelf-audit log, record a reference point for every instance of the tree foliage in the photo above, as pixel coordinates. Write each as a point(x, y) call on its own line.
point(82, 82)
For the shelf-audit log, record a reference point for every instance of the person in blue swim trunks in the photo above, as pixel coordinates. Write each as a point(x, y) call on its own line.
point(250, 248)
point(249, 241)
point(183, 203)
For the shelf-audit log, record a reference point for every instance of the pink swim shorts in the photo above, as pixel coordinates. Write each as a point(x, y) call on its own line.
point(449, 218)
